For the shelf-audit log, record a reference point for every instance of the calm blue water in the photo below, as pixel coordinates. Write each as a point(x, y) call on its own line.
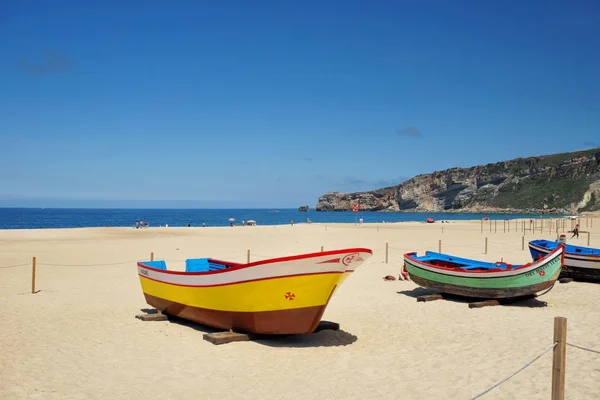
point(29, 218)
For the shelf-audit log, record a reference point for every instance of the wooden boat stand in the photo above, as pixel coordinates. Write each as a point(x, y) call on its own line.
point(230, 336)
point(476, 304)
point(152, 315)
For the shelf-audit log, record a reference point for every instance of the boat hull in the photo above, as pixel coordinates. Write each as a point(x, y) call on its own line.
point(483, 293)
point(278, 296)
point(576, 266)
point(277, 322)
point(523, 281)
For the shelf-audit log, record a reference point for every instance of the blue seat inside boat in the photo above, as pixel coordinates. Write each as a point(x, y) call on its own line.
point(156, 264)
point(201, 265)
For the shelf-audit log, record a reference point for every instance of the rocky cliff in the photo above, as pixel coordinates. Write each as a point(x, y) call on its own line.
point(565, 183)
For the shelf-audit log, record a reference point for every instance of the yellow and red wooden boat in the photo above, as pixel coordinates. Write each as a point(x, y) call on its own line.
point(286, 295)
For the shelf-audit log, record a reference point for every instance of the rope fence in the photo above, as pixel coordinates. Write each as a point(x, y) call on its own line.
point(388, 252)
point(558, 361)
point(516, 372)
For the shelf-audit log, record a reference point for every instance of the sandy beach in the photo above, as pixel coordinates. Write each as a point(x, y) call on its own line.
point(77, 337)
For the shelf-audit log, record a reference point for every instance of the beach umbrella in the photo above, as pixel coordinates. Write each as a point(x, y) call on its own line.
point(251, 222)
point(231, 219)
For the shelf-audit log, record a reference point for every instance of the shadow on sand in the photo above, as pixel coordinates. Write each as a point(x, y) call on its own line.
point(323, 338)
point(527, 301)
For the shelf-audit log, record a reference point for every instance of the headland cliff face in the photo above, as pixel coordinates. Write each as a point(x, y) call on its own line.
point(560, 183)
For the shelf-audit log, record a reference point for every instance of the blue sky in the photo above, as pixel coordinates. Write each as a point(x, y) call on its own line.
point(273, 103)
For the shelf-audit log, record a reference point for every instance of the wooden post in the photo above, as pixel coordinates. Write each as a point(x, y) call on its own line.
point(522, 242)
point(152, 256)
point(508, 223)
point(504, 226)
point(440, 246)
point(516, 225)
point(33, 276)
point(495, 226)
point(386, 252)
point(559, 358)
point(588, 238)
point(490, 226)
point(486, 245)
point(248, 257)
point(321, 249)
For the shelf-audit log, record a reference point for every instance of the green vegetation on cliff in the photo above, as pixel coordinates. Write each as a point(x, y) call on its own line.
point(564, 182)
point(538, 191)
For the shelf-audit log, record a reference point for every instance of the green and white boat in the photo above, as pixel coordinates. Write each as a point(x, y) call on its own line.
point(483, 280)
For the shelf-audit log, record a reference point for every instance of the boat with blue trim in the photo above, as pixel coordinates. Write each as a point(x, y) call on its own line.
point(580, 262)
point(286, 295)
point(479, 279)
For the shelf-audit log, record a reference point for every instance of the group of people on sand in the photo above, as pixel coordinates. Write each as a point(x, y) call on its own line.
point(141, 224)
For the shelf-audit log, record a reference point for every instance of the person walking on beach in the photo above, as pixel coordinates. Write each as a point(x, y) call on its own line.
point(575, 231)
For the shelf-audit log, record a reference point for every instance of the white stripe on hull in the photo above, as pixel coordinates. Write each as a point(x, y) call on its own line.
point(269, 270)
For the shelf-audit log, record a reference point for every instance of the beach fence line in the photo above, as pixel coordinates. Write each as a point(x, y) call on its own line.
point(534, 225)
point(484, 245)
point(559, 357)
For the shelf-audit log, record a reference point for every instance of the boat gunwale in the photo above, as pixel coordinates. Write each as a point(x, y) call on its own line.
point(235, 266)
point(494, 273)
point(247, 280)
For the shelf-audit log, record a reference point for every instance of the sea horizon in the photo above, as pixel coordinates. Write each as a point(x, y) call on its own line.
point(79, 217)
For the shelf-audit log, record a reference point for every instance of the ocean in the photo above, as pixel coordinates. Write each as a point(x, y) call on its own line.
point(36, 218)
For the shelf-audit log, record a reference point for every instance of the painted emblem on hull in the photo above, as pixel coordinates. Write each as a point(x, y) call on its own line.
point(542, 273)
point(290, 296)
point(350, 258)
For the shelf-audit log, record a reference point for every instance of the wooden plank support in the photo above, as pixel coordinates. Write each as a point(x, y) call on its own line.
point(225, 337)
point(230, 336)
point(485, 303)
point(430, 297)
point(323, 325)
point(152, 317)
point(565, 280)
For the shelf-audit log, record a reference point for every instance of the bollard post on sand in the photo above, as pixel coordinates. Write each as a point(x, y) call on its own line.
point(440, 246)
point(33, 275)
point(559, 358)
point(248, 257)
point(486, 242)
point(386, 252)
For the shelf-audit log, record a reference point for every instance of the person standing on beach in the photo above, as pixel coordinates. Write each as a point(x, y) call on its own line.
point(575, 231)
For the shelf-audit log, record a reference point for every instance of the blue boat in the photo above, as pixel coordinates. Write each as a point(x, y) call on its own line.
point(580, 262)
